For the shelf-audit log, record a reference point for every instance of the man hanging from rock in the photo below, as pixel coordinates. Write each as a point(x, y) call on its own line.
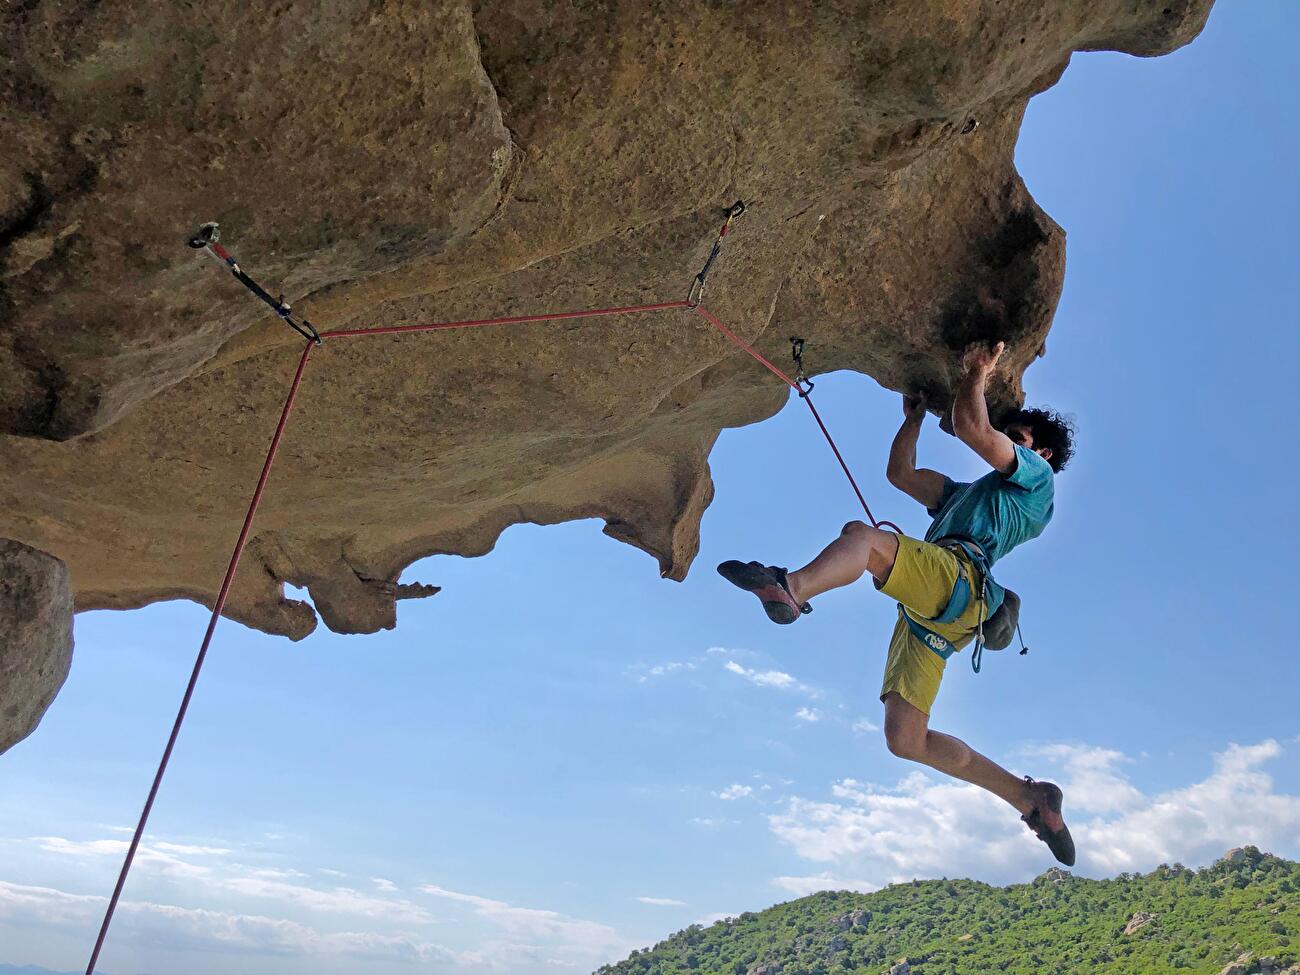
point(947, 598)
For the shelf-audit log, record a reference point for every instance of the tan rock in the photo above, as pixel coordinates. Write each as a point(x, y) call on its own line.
point(1139, 920)
point(441, 161)
point(35, 637)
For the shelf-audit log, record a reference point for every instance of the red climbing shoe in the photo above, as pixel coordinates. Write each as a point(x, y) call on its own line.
point(1046, 822)
point(769, 584)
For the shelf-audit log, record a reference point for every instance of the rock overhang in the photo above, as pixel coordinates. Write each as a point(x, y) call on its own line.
point(455, 160)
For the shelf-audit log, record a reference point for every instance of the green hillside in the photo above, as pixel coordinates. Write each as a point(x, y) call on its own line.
point(1204, 921)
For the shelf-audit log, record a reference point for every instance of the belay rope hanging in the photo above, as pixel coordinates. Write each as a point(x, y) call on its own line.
point(208, 239)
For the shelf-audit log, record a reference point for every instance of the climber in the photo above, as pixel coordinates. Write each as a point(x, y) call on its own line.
point(943, 585)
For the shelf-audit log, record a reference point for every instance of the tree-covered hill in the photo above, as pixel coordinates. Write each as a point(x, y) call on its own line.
point(1240, 916)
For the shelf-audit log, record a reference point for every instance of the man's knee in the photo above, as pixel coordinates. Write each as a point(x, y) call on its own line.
point(906, 728)
point(874, 539)
point(906, 743)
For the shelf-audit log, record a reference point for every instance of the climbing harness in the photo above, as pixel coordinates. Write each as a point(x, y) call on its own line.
point(207, 238)
point(1006, 607)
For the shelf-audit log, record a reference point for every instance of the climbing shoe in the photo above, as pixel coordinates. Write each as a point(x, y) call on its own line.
point(1046, 822)
point(769, 584)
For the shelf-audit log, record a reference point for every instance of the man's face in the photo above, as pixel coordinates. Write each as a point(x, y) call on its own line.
point(1022, 434)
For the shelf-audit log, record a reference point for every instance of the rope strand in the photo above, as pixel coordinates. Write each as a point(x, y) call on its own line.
point(217, 607)
point(807, 398)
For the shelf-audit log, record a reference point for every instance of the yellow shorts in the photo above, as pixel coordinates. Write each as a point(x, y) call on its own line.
point(921, 580)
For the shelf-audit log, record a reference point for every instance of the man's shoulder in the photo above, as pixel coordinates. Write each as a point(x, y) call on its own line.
point(1032, 473)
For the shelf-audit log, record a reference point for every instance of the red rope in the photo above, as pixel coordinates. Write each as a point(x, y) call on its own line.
point(244, 531)
point(344, 333)
point(217, 607)
point(807, 398)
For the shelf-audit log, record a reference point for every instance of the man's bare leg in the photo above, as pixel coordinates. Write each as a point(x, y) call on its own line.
point(908, 735)
point(860, 548)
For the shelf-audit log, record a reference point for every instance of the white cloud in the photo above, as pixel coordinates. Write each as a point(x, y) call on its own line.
point(164, 858)
point(771, 678)
point(802, 886)
point(533, 939)
point(735, 791)
point(709, 919)
point(336, 900)
point(1094, 782)
point(273, 873)
point(1234, 806)
point(577, 939)
point(710, 822)
point(269, 884)
point(526, 940)
point(919, 827)
point(663, 670)
point(186, 849)
point(662, 901)
point(928, 825)
point(863, 726)
point(197, 929)
point(811, 715)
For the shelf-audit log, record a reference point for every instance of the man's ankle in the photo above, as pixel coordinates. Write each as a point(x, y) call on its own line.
point(792, 584)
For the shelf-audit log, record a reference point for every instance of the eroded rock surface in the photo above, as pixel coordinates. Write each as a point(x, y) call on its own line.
point(35, 637)
point(385, 163)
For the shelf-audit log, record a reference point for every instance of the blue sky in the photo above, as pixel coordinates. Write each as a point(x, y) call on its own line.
point(524, 777)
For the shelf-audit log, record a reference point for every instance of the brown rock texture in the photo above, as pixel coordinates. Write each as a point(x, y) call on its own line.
point(35, 637)
point(388, 162)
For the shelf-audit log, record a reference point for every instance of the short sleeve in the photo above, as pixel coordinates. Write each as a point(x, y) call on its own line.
point(950, 488)
point(1031, 473)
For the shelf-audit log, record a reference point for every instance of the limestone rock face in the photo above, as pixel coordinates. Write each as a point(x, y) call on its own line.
point(35, 637)
point(402, 162)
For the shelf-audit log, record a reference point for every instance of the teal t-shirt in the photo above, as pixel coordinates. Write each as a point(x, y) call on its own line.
point(999, 511)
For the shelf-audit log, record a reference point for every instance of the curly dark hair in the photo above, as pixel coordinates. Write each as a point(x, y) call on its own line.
point(1050, 429)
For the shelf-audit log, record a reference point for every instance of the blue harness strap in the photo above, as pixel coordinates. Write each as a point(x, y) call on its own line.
point(958, 603)
point(929, 638)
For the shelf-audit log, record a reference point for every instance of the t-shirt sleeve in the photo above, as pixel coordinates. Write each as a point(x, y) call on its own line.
point(1032, 472)
point(950, 487)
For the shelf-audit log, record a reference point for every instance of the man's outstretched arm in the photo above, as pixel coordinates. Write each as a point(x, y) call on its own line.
point(970, 414)
point(925, 486)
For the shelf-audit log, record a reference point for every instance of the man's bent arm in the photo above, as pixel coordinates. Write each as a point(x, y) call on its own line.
point(970, 414)
point(920, 484)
